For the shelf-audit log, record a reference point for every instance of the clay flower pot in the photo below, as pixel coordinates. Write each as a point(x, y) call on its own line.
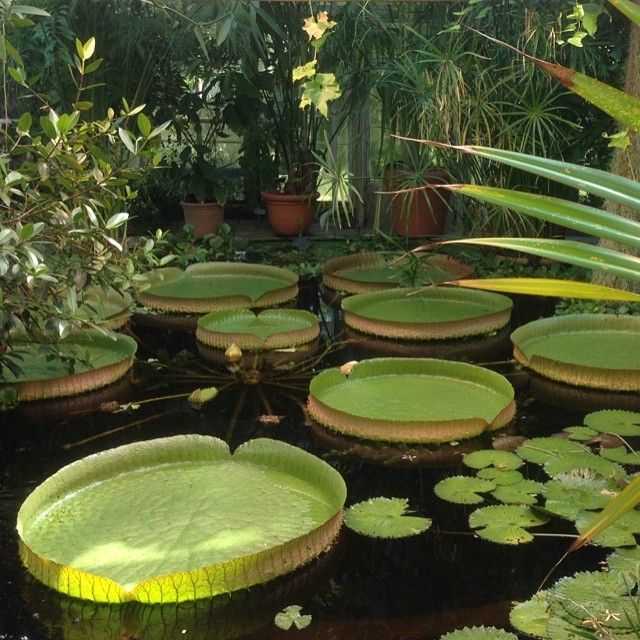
point(204, 217)
point(289, 215)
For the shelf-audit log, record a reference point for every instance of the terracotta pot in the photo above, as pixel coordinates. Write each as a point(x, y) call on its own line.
point(204, 217)
point(289, 215)
point(426, 214)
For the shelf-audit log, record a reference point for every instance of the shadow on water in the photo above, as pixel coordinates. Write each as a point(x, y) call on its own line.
point(415, 588)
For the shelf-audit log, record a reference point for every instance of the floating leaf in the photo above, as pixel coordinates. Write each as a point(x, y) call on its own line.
point(584, 460)
point(622, 423)
point(567, 495)
point(479, 633)
point(580, 433)
point(505, 524)
point(620, 454)
point(531, 617)
point(523, 492)
point(291, 616)
point(501, 478)
point(627, 563)
point(503, 460)
point(384, 518)
point(617, 534)
point(539, 450)
point(463, 489)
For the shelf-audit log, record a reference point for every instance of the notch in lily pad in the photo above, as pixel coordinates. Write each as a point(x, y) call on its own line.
point(503, 460)
point(385, 518)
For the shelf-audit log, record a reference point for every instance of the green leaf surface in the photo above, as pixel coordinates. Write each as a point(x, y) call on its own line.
point(539, 450)
point(505, 524)
point(617, 534)
point(580, 433)
point(627, 563)
point(585, 460)
point(179, 519)
point(463, 489)
point(572, 493)
point(501, 478)
point(622, 423)
point(531, 617)
point(502, 460)
point(523, 492)
point(385, 518)
point(620, 454)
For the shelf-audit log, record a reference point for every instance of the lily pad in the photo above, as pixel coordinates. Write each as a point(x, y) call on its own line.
point(463, 489)
point(384, 518)
point(499, 477)
point(411, 400)
point(501, 460)
point(216, 286)
point(627, 563)
point(83, 361)
point(598, 351)
point(622, 455)
point(506, 524)
point(531, 617)
point(368, 271)
point(539, 450)
point(580, 433)
point(435, 313)
point(583, 460)
point(570, 494)
point(179, 519)
point(479, 633)
point(622, 423)
point(619, 534)
point(270, 329)
point(523, 492)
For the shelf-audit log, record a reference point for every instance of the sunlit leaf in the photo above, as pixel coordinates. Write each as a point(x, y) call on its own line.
point(505, 524)
point(502, 460)
point(499, 476)
point(463, 489)
point(622, 423)
point(539, 450)
point(531, 617)
point(384, 518)
point(523, 492)
point(291, 616)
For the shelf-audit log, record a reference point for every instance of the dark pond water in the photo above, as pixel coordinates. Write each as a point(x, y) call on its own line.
point(416, 588)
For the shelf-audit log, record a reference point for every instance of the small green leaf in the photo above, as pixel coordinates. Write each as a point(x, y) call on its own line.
point(384, 518)
point(503, 460)
point(463, 489)
point(506, 524)
point(125, 136)
point(523, 492)
point(88, 48)
point(539, 450)
point(531, 617)
point(48, 128)
point(144, 124)
point(291, 616)
point(499, 477)
point(580, 433)
point(24, 123)
point(622, 423)
point(304, 71)
point(619, 140)
point(319, 91)
point(83, 105)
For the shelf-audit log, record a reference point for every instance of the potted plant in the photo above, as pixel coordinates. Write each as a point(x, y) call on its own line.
point(207, 189)
point(280, 72)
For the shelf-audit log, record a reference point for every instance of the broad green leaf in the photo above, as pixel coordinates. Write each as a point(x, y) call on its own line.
point(463, 489)
point(622, 423)
point(523, 492)
point(304, 71)
point(620, 454)
point(617, 534)
point(626, 500)
point(503, 460)
point(580, 433)
point(24, 123)
point(586, 460)
point(116, 220)
point(531, 617)
point(505, 524)
point(574, 492)
point(48, 128)
point(144, 124)
point(576, 253)
point(627, 563)
point(291, 616)
point(579, 217)
point(539, 450)
point(500, 477)
point(384, 518)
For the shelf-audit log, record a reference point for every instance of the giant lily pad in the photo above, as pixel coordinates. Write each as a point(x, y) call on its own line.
point(435, 313)
point(215, 286)
point(369, 271)
point(411, 400)
point(593, 350)
point(179, 518)
point(270, 329)
point(83, 361)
